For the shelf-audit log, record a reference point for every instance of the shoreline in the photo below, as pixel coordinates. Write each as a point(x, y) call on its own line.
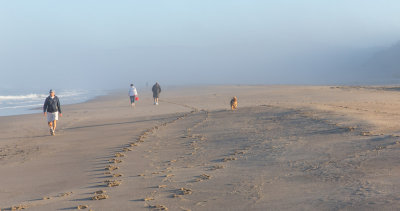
point(18, 109)
point(118, 92)
point(268, 96)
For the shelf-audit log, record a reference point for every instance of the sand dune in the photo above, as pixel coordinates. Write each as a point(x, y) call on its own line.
point(285, 148)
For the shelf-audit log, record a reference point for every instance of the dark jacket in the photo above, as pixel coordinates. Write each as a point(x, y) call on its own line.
point(156, 90)
point(52, 105)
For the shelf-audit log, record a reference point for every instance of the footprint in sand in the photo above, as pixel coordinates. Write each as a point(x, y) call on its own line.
point(117, 175)
point(100, 197)
point(100, 192)
point(213, 168)
point(19, 207)
point(148, 199)
point(184, 191)
point(168, 177)
point(367, 133)
point(127, 149)
point(118, 155)
point(65, 194)
point(202, 178)
point(229, 159)
point(349, 129)
point(158, 207)
point(111, 168)
point(82, 207)
point(205, 177)
point(239, 152)
point(112, 183)
point(114, 161)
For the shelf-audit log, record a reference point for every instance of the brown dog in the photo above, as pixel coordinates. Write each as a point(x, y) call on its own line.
point(234, 103)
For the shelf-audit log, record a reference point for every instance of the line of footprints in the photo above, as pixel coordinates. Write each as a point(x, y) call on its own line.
point(118, 158)
point(194, 144)
point(178, 193)
point(110, 169)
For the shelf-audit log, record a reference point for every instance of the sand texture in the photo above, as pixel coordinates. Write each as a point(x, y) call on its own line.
point(284, 148)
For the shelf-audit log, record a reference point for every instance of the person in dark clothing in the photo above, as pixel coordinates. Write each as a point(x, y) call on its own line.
point(51, 109)
point(156, 92)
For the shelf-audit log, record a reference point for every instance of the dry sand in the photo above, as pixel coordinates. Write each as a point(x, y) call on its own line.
point(285, 148)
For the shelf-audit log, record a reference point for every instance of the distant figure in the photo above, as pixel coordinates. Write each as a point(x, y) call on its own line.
point(156, 92)
point(234, 103)
point(132, 95)
point(51, 108)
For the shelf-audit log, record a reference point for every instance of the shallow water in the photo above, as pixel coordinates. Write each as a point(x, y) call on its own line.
point(16, 102)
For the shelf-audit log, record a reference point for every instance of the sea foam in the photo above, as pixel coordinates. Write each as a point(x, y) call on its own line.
point(29, 103)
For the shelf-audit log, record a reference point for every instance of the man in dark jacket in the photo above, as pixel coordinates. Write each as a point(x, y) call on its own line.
point(156, 92)
point(51, 108)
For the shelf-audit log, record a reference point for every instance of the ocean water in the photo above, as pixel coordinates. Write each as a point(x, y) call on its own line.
point(17, 102)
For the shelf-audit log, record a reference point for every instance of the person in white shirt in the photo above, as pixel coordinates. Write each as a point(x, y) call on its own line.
point(132, 95)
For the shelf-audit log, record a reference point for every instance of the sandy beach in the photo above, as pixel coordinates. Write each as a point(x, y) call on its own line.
point(285, 148)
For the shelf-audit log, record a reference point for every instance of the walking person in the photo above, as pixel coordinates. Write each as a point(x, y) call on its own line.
point(132, 95)
point(51, 109)
point(156, 92)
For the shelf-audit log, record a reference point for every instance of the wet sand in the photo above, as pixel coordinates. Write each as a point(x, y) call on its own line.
point(285, 148)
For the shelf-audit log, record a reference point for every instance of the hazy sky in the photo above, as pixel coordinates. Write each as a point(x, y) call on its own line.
point(94, 43)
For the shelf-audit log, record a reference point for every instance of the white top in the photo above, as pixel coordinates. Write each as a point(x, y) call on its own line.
point(132, 91)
